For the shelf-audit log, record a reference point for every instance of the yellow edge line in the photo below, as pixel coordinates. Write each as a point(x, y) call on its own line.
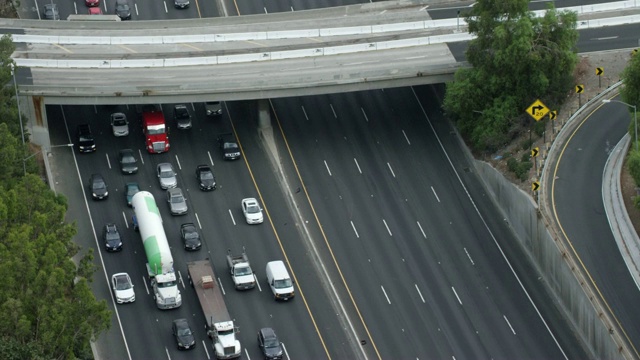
point(264, 205)
point(575, 253)
point(63, 48)
point(191, 46)
point(128, 48)
point(324, 236)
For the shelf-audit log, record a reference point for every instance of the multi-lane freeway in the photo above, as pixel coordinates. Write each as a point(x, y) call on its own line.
point(369, 197)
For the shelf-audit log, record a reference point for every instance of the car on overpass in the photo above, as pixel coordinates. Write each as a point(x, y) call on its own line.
point(123, 10)
point(50, 12)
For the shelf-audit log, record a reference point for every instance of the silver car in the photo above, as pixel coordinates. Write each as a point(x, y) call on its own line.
point(167, 176)
point(177, 201)
point(119, 124)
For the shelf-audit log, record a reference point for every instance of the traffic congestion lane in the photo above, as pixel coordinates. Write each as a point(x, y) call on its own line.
point(260, 313)
point(332, 154)
point(137, 317)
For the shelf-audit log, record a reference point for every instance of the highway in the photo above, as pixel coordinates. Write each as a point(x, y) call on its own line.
point(377, 187)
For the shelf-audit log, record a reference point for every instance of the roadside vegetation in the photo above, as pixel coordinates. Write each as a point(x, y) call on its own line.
point(630, 94)
point(47, 309)
point(516, 58)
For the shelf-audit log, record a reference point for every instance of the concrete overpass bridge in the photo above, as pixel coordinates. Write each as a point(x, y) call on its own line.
point(349, 48)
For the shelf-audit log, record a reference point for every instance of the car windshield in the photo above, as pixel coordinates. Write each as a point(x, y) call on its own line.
point(281, 284)
point(182, 113)
point(119, 122)
point(242, 271)
point(206, 175)
point(122, 283)
point(167, 284)
point(253, 209)
point(177, 199)
point(112, 236)
point(191, 234)
point(230, 145)
point(128, 159)
point(99, 184)
point(271, 343)
point(184, 332)
point(155, 129)
point(122, 7)
point(166, 173)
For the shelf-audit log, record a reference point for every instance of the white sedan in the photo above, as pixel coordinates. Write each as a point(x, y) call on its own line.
point(123, 288)
point(252, 211)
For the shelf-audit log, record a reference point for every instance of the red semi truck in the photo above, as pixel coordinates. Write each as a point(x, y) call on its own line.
point(155, 129)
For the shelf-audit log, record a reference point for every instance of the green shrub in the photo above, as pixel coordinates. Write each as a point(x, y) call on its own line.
point(526, 144)
point(525, 157)
point(633, 163)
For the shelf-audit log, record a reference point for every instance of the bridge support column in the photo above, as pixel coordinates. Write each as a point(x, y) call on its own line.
point(264, 115)
point(35, 120)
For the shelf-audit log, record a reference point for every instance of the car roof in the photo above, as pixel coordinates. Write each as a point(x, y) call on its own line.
point(204, 167)
point(187, 225)
point(165, 166)
point(121, 275)
point(268, 333)
point(250, 200)
point(175, 191)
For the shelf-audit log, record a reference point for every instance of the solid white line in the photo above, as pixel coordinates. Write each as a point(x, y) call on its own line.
point(198, 220)
point(358, 165)
point(456, 294)
point(304, 112)
point(385, 294)
point(232, 219)
point(607, 38)
point(365, 115)
point(136, 6)
point(390, 169)
point(334, 112)
point(210, 158)
point(419, 293)
point(422, 231)
point(495, 241)
point(108, 162)
point(126, 223)
point(141, 158)
point(181, 281)
point(221, 287)
point(327, 166)
point(204, 346)
point(354, 230)
point(257, 282)
point(469, 256)
point(387, 226)
point(178, 160)
point(434, 193)
point(144, 281)
point(508, 323)
point(165, 7)
point(406, 138)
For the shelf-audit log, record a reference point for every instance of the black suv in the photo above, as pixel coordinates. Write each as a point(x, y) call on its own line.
point(128, 161)
point(84, 139)
point(269, 344)
point(190, 236)
point(229, 147)
point(183, 334)
point(111, 237)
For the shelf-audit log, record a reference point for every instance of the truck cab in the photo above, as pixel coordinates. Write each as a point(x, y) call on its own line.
point(155, 130)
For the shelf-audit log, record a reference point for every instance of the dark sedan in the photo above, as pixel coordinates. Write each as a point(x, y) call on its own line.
point(205, 177)
point(183, 334)
point(98, 187)
point(190, 237)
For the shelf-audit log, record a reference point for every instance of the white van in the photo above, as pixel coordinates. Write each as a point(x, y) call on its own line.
point(279, 281)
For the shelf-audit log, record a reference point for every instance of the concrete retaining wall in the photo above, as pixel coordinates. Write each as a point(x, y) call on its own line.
point(548, 256)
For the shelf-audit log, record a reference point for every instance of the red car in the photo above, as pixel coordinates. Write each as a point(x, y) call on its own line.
point(92, 3)
point(95, 11)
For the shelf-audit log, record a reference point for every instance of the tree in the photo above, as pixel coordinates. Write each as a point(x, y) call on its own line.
point(45, 302)
point(516, 58)
point(630, 92)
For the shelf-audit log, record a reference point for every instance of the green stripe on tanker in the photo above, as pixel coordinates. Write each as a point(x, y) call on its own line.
point(153, 236)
